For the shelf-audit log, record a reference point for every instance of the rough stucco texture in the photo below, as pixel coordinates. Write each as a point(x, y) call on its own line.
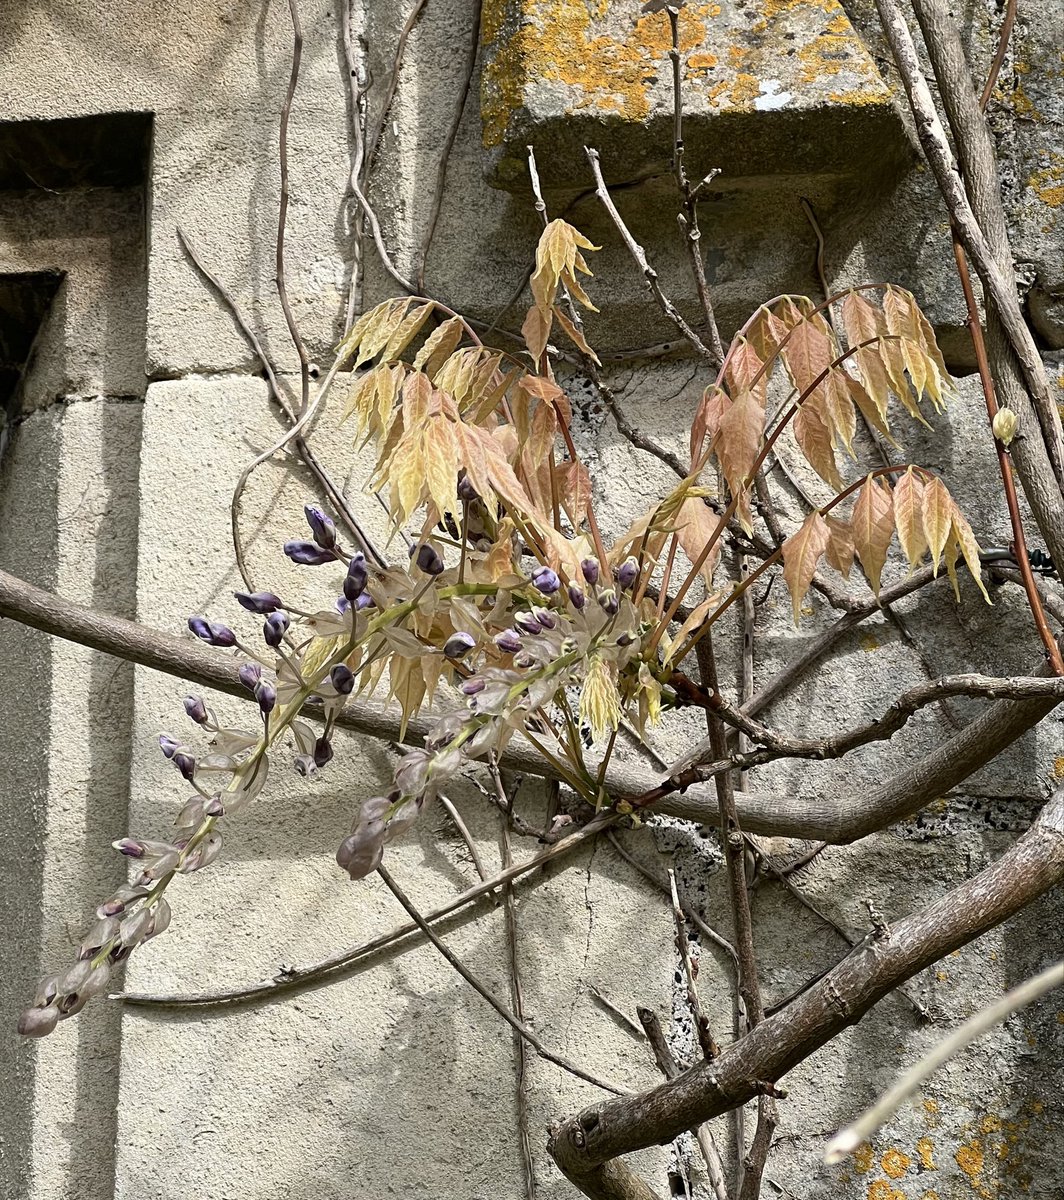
point(140, 410)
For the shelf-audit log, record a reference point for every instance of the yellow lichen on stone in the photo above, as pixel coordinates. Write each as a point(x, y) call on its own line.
point(895, 1163)
point(864, 1158)
point(883, 1189)
point(969, 1158)
point(1048, 183)
point(925, 1148)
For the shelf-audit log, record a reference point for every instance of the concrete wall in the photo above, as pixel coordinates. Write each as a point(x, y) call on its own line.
point(140, 409)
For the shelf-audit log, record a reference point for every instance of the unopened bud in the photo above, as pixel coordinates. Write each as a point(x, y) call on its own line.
point(249, 675)
point(342, 679)
point(355, 580)
point(262, 603)
point(576, 597)
point(546, 581)
point(1005, 425)
point(274, 628)
point(589, 568)
point(321, 527)
point(608, 601)
point(266, 695)
point(428, 560)
point(38, 1022)
point(323, 751)
point(627, 574)
point(458, 645)
point(308, 554)
point(508, 641)
point(196, 709)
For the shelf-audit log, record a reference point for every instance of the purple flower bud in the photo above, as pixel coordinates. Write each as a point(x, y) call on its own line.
point(508, 641)
point(466, 490)
point(342, 679)
point(274, 628)
point(626, 639)
point(365, 601)
point(321, 527)
point(308, 554)
point(196, 709)
point(471, 687)
point(168, 745)
point(627, 573)
point(355, 580)
point(323, 751)
point(266, 695)
point(546, 581)
point(214, 807)
point(608, 601)
point(576, 597)
point(428, 560)
point(186, 764)
point(589, 568)
point(359, 856)
point(545, 618)
point(341, 604)
point(458, 645)
point(212, 634)
point(527, 623)
point(249, 675)
point(259, 602)
point(524, 660)
point(38, 1022)
point(130, 847)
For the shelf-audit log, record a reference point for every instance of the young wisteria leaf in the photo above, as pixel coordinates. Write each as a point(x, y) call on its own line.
point(574, 334)
point(574, 486)
point(693, 622)
point(417, 397)
point(807, 355)
point(873, 527)
point(952, 553)
point(870, 409)
point(714, 404)
point(739, 440)
point(407, 475)
point(937, 518)
point(909, 518)
point(380, 332)
point(539, 442)
point(500, 560)
point(695, 525)
point(403, 642)
point(765, 334)
point(838, 404)
point(801, 553)
point(439, 346)
point(961, 532)
point(406, 331)
point(536, 331)
point(839, 553)
point(408, 687)
point(812, 432)
point(367, 325)
point(745, 366)
point(440, 461)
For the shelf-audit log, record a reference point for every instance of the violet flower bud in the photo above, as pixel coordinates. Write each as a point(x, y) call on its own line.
point(545, 618)
point(524, 660)
point(38, 1022)
point(168, 745)
point(322, 527)
point(341, 604)
point(214, 807)
point(466, 490)
point(626, 639)
point(186, 764)
point(627, 573)
point(342, 679)
point(546, 581)
point(274, 628)
point(360, 855)
point(259, 602)
point(323, 751)
point(266, 695)
point(508, 641)
point(196, 709)
point(249, 675)
point(212, 634)
point(428, 560)
point(365, 601)
point(458, 645)
point(589, 568)
point(308, 554)
point(355, 580)
point(608, 601)
point(130, 847)
point(471, 687)
point(576, 597)
point(527, 623)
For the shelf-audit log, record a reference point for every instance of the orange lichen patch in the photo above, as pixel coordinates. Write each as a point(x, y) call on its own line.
point(745, 89)
point(925, 1148)
point(702, 62)
point(1048, 183)
point(969, 1158)
point(931, 1195)
point(864, 1158)
point(895, 1163)
point(883, 1189)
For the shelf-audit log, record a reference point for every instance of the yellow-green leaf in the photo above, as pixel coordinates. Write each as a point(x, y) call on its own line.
point(801, 553)
point(908, 517)
point(937, 516)
point(873, 527)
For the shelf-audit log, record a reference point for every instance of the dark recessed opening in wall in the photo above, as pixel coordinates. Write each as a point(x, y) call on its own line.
point(108, 150)
point(25, 298)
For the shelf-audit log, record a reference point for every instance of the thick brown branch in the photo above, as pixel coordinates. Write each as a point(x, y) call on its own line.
point(1033, 865)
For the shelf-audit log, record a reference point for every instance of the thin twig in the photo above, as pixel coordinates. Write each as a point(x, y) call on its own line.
point(848, 1139)
point(357, 101)
point(703, 1033)
point(517, 1026)
point(463, 832)
point(639, 254)
point(670, 1068)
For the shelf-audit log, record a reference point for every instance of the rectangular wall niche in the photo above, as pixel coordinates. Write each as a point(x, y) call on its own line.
point(73, 259)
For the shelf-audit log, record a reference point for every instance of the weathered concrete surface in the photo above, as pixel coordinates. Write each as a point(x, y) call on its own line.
point(773, 89)
point(395, 1080)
